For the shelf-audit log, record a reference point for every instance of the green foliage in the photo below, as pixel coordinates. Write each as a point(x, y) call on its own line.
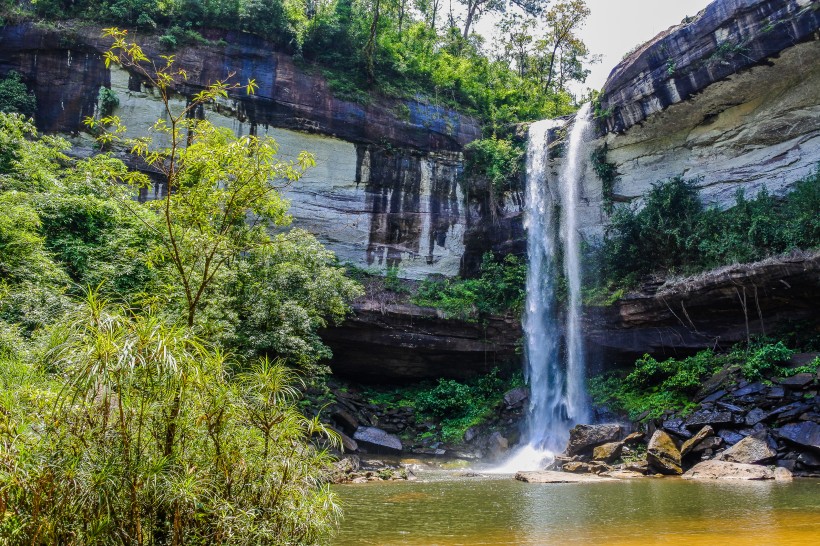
point(653, 387)
point(766, 360)
point(392, 281)
point(177, 36)
point(107, 100)
point(129, 427)
point(500, 160)
point(286, 291)
point(15, 96)
point(372, 47)
point(607, 173)
point(674, 232)
point(498, 289)
point(456, 405)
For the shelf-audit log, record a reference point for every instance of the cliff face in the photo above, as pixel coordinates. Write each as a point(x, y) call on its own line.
point(388, 189)
point(730, 98)
point(400, 342)
point(713, 310)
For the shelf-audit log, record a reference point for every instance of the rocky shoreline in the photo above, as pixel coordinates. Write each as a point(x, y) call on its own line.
point(737, 430)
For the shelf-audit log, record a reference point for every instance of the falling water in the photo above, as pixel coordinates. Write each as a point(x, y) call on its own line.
point(553, 343)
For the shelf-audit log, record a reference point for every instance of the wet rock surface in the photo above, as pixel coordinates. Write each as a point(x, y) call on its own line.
point(759, 430)
point(662, 454)
point(585, 437)
point(557, 477)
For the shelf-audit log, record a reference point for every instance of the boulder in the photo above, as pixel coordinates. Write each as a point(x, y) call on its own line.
point(516, 397)
point(713, 442)
point(708, 417)
point(755, 416)
point(715, 396)
point(805, 433)
point(809, 459)
point(345, 420)
point(546, 476)
point(470, 434)
point(789, 411)
point(797, 380)
point(753, 388)
point(634, 438)
point(725, 470)
point(640, 467)
point(577, 467)
point(607, 452)
point(662, 454)
point(348, 443)
point(776, 392)
point(729, 436)
point(676, 427)
point(757, 448)
point(692, 442)
point(497, 445)
point(782, 474)
point(585, 437)
point(376, 440)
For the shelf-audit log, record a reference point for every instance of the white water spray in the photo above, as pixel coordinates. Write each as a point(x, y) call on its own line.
point(553, 343)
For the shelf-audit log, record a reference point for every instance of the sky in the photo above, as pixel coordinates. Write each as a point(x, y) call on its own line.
point(614, 27)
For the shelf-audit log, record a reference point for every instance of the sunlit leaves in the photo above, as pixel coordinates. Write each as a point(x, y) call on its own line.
point(87, 457)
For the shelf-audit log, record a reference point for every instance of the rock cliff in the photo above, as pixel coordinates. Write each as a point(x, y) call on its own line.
point(730, 97)
point(713, 310)
point(388, 189)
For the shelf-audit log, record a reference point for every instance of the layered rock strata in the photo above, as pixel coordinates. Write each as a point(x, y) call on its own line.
point(387, 191)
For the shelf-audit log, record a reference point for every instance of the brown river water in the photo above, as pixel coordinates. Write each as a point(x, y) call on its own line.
point(445, 509)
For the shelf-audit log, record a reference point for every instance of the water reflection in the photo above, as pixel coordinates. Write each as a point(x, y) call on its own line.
point(483, 511)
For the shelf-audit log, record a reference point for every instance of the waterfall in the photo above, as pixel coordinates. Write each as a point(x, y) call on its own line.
point(553, 342)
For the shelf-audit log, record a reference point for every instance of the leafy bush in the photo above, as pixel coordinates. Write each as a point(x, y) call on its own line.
point(653, 387)
point(500, 160)
point(107, 100)
point(456, 405)
point(15, 96)
point(168, 451)
point(499, 288)
point(674, 232)
point(767, 360)
point(461, 405)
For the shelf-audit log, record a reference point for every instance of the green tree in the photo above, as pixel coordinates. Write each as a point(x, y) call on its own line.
point(84, 455)
point(561, 46)
point(220, 190)
point(15, 96)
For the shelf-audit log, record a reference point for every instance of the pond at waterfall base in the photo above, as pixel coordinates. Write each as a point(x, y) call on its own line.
point(445, 509)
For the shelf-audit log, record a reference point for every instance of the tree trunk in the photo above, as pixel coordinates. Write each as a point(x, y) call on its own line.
point(471, 9)
point(370, 47)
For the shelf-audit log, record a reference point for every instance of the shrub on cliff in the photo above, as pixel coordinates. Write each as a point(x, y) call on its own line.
point(15, 96)
point(499, 288)
point(652, 387)
point(675, 233)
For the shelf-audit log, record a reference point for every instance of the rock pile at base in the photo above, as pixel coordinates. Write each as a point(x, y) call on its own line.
point(738, 430)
